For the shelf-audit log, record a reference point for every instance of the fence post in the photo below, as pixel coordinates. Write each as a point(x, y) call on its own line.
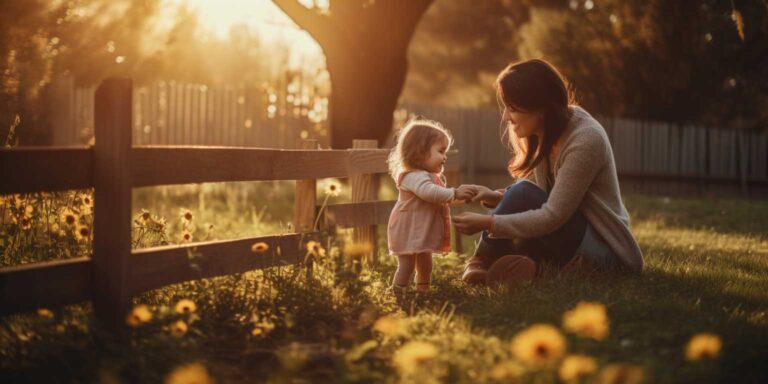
point(305, 202)
point(365, 187)
point(112, 201)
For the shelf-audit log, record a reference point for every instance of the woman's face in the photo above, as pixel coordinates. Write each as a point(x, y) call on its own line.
point(522, 123)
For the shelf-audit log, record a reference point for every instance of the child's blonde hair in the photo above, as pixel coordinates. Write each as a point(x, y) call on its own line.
point(414, 141)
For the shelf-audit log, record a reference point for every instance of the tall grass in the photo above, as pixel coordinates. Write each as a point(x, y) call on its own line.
point(706, 262)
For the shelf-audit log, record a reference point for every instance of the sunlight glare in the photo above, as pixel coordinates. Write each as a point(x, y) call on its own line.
point(261, 16)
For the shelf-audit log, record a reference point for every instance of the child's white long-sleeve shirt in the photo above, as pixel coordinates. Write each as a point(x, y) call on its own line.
point(421, 184)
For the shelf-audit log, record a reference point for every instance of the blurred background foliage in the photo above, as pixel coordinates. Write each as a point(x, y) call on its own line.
point(699, 61)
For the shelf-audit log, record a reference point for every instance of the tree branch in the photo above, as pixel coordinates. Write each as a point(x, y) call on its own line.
point(316, 24)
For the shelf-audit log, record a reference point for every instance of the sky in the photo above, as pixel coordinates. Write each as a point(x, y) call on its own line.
point(260, 15)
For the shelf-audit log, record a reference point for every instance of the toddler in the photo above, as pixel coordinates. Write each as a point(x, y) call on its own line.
point(419, 224)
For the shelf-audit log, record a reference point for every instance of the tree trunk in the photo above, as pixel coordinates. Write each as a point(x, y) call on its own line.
point(365, 94)
point(365, 44)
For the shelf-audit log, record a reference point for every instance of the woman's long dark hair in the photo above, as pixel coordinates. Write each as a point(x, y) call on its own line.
point(534, 86)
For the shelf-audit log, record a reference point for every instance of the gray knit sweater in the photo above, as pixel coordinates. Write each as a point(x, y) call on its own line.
point(585, 179)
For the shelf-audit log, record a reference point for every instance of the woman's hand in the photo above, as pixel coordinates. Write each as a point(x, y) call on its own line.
point(485, 195)
point(469, 222)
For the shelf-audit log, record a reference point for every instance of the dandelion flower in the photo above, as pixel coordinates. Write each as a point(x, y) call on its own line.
point(391, 325)
point(139, 315)
point(574, 367)
point(179, 328)
point(333, 189)
point(621, 373)
point(45, 312)
point(67, 217)
point(703, 346)
point(413, 354)
point(588, 320)
point(185, 306)
point(186, 236)
point(194, 373)
point(259, 247)
point(539, 345)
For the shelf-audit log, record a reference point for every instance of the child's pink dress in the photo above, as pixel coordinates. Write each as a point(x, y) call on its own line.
point(420, 221)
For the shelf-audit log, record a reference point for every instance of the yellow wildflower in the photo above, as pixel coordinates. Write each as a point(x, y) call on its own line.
point(333, 189)
point(315, 249)
point(703, 346)
point(263, 328)
point(194, 373)
point(86, 200)
point(391, 326)
point(259, 247)
point(539, 345)
point(25, 222)
point(588, 320)
point(45, 312)
point(82, 233)
point(144, 217)
point(509, 369)
point(139, 315)
point(185, 306)
point(186, 236)
point(574, 367)
point(179, 328)
point(67, 217)
point(186, 215)
point(413, 354)
point(621, 373)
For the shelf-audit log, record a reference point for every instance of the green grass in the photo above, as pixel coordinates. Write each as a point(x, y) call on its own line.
point(706, 267)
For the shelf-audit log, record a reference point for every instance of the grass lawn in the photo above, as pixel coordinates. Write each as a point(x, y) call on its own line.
point(706, 263)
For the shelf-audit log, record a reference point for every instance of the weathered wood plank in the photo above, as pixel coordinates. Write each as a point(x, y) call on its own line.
point(159, 165)
point(365, 187)
point(48, 284)
point(112, 200)
point(305, 198)
point(156, 267)
point(34, 169)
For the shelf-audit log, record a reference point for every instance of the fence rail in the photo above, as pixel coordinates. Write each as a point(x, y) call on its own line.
point(172, 113)
point(113, 166)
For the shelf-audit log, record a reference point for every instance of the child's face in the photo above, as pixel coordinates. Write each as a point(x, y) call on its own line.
point(437, 157)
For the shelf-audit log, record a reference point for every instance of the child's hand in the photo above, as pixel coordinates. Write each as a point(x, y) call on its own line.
point(487, 196)
point(466, 193)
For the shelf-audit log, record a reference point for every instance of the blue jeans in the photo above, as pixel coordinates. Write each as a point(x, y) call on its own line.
point(556, 248)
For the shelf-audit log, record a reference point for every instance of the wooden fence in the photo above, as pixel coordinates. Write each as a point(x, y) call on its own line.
point(175, 113)
point(113, 166)
point(650, 156)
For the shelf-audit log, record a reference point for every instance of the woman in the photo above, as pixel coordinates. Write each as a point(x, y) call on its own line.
point(565, 208)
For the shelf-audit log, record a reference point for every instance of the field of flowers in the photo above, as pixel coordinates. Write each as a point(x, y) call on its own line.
point(699, 313)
